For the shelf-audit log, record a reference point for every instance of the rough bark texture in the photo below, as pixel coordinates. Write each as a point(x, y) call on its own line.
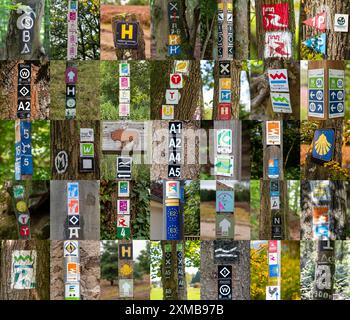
point(190, 149)
point(316, 171)
point(236, 68)
point(187, 108)
point(240, 272)
point(337, 207)
point(12, 50)
point(260, 32)
point(42, 291)
point(89, 208)
point(241, 27)
point(261, 107)
point(132, 54)
point(172, 282)
point(40, 96)
point(337, 42)
point(65, 135)
point(89, 270)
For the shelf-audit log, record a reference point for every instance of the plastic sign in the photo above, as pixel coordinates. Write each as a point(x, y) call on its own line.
point(23, 269)
point(318, 22)
point(323, 145)
point(125, 250)
point(25, 23)
point(280, 102)
point(87, 150)
point(316, 93)
point(23, 150)
point(273, 293)
point(224, 141)
point(224, 111)
point(224, 68)
point(273, 169)
point(126, 35)
point(124, 69)
point(278, 44)
point(182, 66)
point(123, 189)
point(174, 19)
point(176, 81)
point(173, 222)
point(317, 43)
point(71, 75)
point(172, 189)
point(278, 80)
point(225, 201)
point(172, 96)
point(124, 165)
point(168, 112)
point(336, 93)
point(275, 16)
point(73, 210)
point(224, 165)
point(273, 133)
point(341, 22)
point(24, 90)
point(224, 226)
point(72, 30)
point(224, 282)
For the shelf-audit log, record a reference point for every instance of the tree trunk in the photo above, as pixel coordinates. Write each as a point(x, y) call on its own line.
point(70, 143)
point(240, 272)
point(306, 232)
point(235, 70)
point(315, 171)
point(42, 286)
point(188, 107)
point(89, 270)
point(337, 42)
point(260, 32)
point(241, 23)
point(14, 35)
point(170, 281)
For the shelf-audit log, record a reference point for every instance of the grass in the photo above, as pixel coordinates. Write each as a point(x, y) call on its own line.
point(192, 293)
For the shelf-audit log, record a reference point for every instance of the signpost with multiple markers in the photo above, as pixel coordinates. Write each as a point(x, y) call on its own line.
point(123, 210)
point(175, 24)
point(25, 22)
point(225, 30)
point(124, 89)
point(279, 90)
point(73, 210)
point(273, 290)
point(71, 254)
point(24, 90)
point(175, 151)
point(87, 150)
point(23, 150)
point(22, 212)
point(172, 209)
point(125, 269)
point(72, 30)
point(71, 76)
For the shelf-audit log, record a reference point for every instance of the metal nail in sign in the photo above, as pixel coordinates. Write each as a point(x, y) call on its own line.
point(124, 85)
point(174, 38)
point(22, 212)
point(87, 150)
point(24, 90)
point(23, 269)
point(71, 253)
point(73, 210)
point(172, 210)
point(72, 32)
point(25, 23)
point(23, 147)
point(175, 150)
point(71, 75)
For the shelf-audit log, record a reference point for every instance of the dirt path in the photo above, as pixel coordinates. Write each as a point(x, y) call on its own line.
point(106, 40)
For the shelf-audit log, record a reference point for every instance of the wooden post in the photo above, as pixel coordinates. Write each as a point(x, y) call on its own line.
point(128, 37)
point(325, 269)
point(71, 253)
point(125, 269)
point(274, 209)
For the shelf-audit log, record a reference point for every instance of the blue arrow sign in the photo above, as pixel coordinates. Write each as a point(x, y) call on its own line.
point(317, 43)
point(323, 144)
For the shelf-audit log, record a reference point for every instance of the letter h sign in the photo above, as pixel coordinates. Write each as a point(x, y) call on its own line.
point(126, 35)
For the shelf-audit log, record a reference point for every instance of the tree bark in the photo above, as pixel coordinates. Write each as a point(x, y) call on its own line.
point(65, 135)
point(337, 42)
point(241, 23)
point(13, 49)
point(42, 289)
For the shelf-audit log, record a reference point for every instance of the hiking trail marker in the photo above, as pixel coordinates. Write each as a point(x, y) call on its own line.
point(71, 76)
point(73, 210)
point(71, 255)
point(225, 44)
point(124, 89)
point(22, 212)
point(25, 22)
point(273, 290)
point(275, 16)
point(175, 25)
point(72, 30)
point(123, 210)
point(125, 269)
point(87, 150)
point(172, 210)
point(23, 269)
point(24, 90)
point(23, 150)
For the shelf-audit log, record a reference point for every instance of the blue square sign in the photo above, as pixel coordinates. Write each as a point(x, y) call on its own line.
point(323, 144)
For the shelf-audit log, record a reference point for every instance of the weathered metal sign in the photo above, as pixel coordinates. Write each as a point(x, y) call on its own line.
point(225, 201)
point(24, 90)
point(320, 223)
point(224, 228)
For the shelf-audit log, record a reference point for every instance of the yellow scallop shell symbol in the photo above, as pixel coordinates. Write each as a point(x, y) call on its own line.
point(21, 206)
point(125, 270)
point(322, 146)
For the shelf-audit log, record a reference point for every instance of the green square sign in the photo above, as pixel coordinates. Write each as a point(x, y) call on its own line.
point(87, 150)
